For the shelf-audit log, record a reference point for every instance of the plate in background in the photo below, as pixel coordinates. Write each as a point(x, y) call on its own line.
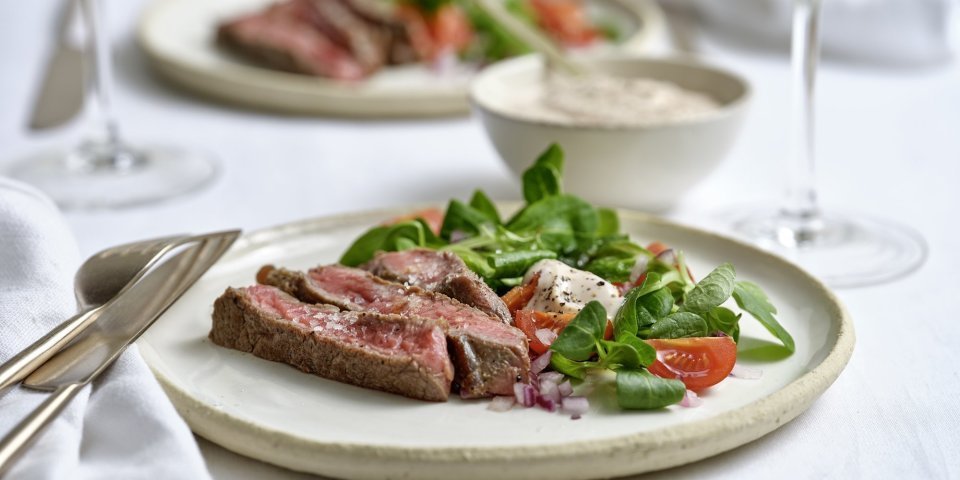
point(277, 414)
point(178, 37)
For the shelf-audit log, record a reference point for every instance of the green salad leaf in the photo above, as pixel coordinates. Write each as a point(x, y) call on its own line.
point(750, 297)
point(579, 340)
point(568, 367)
point(679, 325)
point(713, 290)
point(618, 355)
point(481, 203)
point(544, 178)
point(640, 389)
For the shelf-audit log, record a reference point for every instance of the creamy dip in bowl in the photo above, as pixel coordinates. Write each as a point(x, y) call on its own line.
point(637, 132)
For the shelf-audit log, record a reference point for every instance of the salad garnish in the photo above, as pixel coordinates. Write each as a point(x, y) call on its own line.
point(644, 349)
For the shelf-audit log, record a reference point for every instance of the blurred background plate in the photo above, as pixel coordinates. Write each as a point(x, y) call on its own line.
point(178, 37)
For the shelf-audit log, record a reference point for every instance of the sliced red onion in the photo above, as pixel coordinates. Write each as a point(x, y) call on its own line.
point(565, 388)
point(746, 373)
point(457, 235)
point(501, 403)
point(530, 395)
point(548, 404)
point(546, 336)
point(575, 406)
point(541, 362)
point(519, 392)
point(691, 400)
point(667, 256)
point(552, 377)
point(639, 268)
point(445, 63)
point(549, 390)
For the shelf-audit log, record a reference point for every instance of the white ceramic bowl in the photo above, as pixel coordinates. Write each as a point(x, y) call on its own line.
point(648, 167)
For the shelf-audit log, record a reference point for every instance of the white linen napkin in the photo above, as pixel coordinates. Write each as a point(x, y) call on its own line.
point(123, 426)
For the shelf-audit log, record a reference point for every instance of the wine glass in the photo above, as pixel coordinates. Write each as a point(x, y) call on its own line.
point(103, 171)
point(844, 251)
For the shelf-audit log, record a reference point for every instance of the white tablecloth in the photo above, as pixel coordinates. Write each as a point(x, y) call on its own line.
point(889, 145)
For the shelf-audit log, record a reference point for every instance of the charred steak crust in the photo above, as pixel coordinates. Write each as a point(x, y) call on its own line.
point(488, 356)
point(241, 324)
point(441, 272)
point(283, 37)
point(338, 22)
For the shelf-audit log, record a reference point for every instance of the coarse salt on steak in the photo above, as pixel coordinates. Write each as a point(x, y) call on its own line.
point(402, 355)
point(441, 272)
point(488, 356)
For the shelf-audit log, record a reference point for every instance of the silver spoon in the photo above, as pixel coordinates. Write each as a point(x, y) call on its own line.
point(100, 278)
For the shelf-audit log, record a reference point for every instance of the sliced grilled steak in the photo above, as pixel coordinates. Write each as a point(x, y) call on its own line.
point(383, 15)
point(283, 37)
point(488, 356)
point(395, 354)
point(339, 23)
point(441, 272)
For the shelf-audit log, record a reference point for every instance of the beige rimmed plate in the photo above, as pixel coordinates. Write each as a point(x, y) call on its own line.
point(178, 37)
point(272, 412)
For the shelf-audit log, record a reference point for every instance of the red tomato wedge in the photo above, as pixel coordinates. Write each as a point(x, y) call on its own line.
point(657, 248)
point(625, 287)
point(566, 21)
point(529, 321)
point(450, 29)
point(519, 296)
point(433, 217)
point(698, 362)
point(417, 29)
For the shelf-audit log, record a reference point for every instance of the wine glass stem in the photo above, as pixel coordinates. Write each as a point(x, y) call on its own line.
point(105, 148)
point(800, 208)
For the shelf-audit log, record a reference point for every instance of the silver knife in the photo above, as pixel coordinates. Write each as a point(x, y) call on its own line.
point(113, 330)
point(63, 90)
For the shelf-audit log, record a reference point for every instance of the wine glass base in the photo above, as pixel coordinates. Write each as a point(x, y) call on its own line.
point(83, 179)
point(841, 251)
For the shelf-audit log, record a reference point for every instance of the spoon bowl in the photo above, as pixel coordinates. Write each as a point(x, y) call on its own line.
point(100, 278)
point(105, 274)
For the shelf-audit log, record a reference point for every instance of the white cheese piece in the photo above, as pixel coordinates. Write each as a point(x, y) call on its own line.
point(564, 289)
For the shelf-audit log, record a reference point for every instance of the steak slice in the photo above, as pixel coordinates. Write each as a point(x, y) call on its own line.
point(488, 356)
point(391, 353)
point(339, 23)
point(441, 272)
point(284, 38)
point(385, 16)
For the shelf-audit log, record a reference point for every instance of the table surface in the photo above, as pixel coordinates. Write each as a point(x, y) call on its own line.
point(888, 144)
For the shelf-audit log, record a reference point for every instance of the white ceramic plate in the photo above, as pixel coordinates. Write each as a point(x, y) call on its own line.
point(178, 37)
point(275, 413)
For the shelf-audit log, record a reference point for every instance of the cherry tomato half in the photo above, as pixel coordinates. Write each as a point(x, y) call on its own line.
point(566, 21)
point(529, 321)
point(519, 296)
point(433, 217)
point(450, 29)
point(698, 362)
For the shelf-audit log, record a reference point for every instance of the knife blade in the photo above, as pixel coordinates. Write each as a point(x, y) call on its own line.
point(62, 92)
point(125, 319)
point(117, 325)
